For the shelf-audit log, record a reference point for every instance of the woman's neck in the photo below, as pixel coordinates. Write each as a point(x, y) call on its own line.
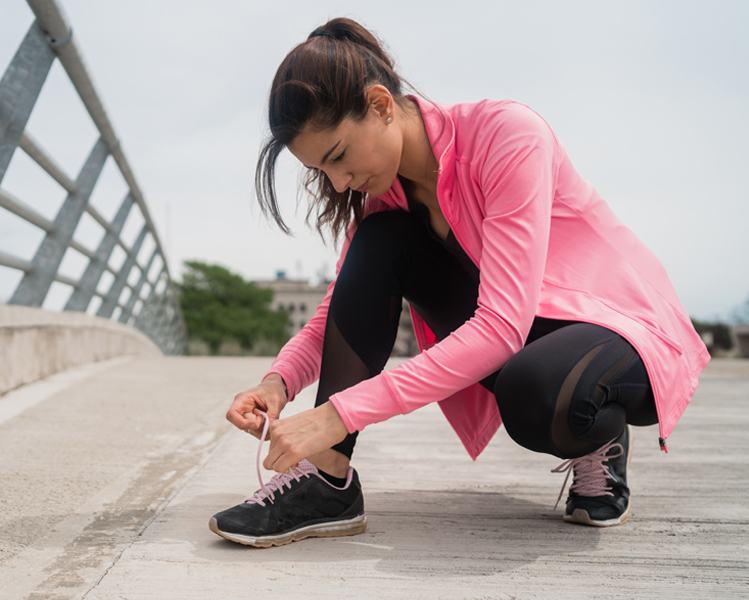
point(418, 163)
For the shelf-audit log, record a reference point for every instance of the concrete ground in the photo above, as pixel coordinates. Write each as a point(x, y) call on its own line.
point(109, 474)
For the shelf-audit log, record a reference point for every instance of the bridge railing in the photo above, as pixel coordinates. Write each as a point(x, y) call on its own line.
point(135, 296)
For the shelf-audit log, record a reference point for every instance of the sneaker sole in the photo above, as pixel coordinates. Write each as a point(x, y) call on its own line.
point(580, 515)
point(334, 529)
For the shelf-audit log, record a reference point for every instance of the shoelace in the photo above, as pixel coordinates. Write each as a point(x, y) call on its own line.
point(278, 481)
point(590, 474)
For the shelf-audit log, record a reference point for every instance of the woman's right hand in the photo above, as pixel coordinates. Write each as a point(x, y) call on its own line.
point(269, 397)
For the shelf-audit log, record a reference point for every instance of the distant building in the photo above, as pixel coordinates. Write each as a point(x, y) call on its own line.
point(301, 300)
point(296, 296)
point(740, 334)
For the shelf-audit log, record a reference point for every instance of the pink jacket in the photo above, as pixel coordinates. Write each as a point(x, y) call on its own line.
point(546, 244)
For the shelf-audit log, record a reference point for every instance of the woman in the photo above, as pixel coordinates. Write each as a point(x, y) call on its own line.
point(532, 303)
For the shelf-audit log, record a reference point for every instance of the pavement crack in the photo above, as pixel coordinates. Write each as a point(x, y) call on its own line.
point(111, 533)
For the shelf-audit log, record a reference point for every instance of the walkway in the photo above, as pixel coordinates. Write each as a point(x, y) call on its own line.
point(108, 476)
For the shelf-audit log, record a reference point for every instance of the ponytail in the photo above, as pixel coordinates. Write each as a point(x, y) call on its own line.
point(321, 82)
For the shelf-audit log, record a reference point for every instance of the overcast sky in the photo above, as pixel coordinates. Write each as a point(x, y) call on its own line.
point(650, 98)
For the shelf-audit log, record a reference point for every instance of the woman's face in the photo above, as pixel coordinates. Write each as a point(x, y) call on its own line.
point(360, 155)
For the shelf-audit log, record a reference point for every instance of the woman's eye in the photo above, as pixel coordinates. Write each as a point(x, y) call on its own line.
point(339, 157)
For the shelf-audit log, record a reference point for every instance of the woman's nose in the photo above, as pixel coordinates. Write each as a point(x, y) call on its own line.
point(340, 181)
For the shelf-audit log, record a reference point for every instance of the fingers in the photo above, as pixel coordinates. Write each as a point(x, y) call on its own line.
point(242, 416)
point(242, 411)
point(269, 398)
point(255, 429)
point(283, 453)
point(302, 435)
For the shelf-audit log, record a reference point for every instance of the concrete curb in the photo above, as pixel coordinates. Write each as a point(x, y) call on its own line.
point(35, 343)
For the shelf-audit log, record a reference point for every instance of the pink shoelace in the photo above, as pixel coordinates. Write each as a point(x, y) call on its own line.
point(590, 474)
point(279, 480)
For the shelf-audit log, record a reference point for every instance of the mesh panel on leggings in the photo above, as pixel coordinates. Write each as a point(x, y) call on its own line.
point(341, 368)
point(588, 411)
point(571, 391)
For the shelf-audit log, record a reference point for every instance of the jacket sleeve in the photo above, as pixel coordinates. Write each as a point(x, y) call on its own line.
point(514, 164)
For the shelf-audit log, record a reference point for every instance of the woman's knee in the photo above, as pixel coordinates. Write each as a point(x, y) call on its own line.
point(375, 251)
point(525, 399)
point(384, 230)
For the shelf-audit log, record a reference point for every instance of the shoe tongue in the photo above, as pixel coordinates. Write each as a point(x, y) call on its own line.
point(306, 466)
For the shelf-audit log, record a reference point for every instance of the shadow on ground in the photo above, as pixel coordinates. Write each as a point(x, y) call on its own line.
point(417, 533)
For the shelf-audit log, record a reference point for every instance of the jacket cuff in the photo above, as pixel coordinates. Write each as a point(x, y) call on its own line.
point(288, 379)
point(370, 401)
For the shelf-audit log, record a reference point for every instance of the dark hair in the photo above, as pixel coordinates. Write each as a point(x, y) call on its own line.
point(320, 82)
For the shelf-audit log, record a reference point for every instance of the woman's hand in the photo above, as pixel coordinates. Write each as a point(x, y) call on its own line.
point(269, 397)
point(302, 435)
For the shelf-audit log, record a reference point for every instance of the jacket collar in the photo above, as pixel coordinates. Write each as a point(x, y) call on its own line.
point(441, 131)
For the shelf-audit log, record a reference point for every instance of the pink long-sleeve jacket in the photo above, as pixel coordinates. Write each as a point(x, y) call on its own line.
point(546, 244)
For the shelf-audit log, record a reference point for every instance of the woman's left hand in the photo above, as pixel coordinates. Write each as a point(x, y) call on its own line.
point(296, 437)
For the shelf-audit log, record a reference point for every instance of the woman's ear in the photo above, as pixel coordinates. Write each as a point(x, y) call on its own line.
point(381, 101)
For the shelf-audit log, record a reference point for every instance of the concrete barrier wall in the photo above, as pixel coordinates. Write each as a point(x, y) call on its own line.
point(35, 343)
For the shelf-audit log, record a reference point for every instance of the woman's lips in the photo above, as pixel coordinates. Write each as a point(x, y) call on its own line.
point(363, 189)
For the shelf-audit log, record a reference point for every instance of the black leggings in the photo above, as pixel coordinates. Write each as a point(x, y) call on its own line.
point(569, 391)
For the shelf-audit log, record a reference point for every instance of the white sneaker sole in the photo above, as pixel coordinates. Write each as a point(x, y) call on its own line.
point(580, 515)
point(334, 529)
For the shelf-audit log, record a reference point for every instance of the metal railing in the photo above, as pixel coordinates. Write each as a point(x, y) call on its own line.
point(151, 304)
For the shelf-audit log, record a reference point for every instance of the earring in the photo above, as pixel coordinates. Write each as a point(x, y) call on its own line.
point(390, 119)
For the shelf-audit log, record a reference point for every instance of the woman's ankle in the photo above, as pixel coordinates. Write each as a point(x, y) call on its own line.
point(332, 462)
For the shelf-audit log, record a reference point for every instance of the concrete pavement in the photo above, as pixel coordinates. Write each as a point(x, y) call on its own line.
point(108, 477)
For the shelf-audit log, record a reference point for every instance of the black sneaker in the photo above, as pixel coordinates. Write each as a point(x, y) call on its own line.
point(294, 506)
point(599, 494)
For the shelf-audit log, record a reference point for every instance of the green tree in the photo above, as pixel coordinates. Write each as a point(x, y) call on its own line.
point(220, 306)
